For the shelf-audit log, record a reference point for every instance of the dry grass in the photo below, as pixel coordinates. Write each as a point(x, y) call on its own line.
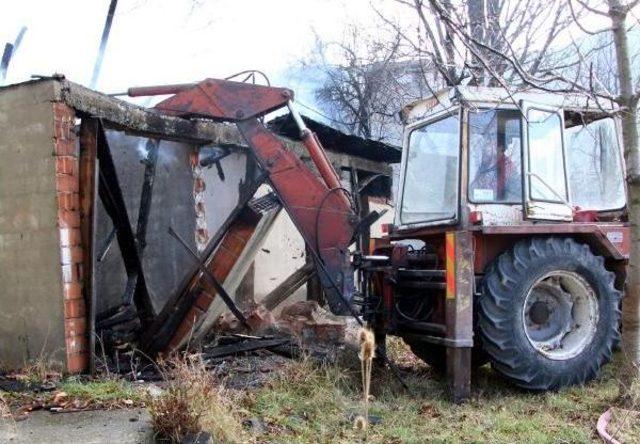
point(40, 370)
point(310, 403)
point(5, 412)
point(625, 417)
point(625, 425)
point(193, 402)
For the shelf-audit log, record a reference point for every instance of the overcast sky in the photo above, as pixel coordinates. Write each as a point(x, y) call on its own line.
point(169, 41)
point(166, 41)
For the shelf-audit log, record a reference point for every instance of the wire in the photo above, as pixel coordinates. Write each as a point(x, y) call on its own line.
point(319, 113)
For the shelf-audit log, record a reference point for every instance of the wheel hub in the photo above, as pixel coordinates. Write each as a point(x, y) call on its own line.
point(539, 313)
point(560, 314)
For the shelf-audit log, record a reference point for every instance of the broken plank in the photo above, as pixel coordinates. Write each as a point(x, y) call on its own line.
point(245, 346)
point(289, 286)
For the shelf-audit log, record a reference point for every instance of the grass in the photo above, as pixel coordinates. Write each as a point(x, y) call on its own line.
point(102, 391)
point(194, 402)
point(307, 403)
point(315, 404)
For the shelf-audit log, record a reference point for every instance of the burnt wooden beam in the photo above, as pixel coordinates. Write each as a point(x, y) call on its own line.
point(244, 346)
point(160, 332)
point(113, 201)
point(146, 195)
point(289, 286)
point(88, 172)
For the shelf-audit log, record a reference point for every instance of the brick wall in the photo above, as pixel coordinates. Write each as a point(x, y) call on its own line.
point(68, 198)
point(221, 264)
point(199, 186)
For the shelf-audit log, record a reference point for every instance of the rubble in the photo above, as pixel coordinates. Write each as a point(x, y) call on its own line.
point(311, 324)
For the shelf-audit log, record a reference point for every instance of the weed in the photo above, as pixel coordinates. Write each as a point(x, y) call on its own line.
point(193, 402)
point(40, 370)
point(5, 412)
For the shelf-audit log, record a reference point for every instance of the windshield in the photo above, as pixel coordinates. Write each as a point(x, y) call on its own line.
point(430, 191)
point(596, 179)
point(546, 158)
point(495, 157)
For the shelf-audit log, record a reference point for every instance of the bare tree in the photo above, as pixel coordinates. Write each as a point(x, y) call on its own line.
point(627, 99)
point(366, 82)
point(526, 30)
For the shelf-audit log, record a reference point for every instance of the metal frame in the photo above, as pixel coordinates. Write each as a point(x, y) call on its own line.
point(449, 112)
point(550, 209)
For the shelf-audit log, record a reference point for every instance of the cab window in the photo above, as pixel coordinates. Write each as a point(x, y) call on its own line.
point(594, 166)
point(431, 172)
point(495, 156)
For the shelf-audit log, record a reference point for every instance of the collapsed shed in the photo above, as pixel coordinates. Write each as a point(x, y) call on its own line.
point(90, 188)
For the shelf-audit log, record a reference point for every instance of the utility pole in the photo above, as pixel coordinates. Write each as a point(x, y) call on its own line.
point(9, 51)
point(103, 43)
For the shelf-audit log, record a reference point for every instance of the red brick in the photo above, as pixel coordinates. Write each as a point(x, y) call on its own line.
point(76, 344)
point(203, 301)
point(66, 147)
point(63, 111)
point(185, 329)
point(69, 273)
point(71, 255)
point(69, 201)
point(69, 237)
point(222, 264)
point(77, 362)
point(75, 327)
point(69, 218)
point(63, 130)
point(235, 244)
point(72, 290)
point(74, 308)
point(66, 165)
point(67, 183)
point(194, 158)
point(199, 185)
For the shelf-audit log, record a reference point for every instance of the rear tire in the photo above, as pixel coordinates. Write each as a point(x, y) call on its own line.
point(549, 313)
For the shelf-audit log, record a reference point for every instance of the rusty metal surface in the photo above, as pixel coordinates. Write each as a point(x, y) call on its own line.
point(618, 250)
point(320, 214)
point(319, 208)
point(225, 100)
point(459, 312)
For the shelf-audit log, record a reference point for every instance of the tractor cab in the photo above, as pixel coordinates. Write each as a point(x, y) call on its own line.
point(506, 159)
point(510, 241)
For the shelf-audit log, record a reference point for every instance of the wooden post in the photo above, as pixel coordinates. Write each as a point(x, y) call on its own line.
point(88, 176)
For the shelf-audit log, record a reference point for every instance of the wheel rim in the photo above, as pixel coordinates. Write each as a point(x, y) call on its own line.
point(560, 314)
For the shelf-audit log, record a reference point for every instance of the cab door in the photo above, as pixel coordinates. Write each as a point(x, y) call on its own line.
point(545, 190)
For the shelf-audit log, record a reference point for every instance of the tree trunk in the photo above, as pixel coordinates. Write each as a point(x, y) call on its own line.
point(477, 25)
point(629, 115)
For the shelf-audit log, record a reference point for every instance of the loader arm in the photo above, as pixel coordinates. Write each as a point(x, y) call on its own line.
point(318, 206)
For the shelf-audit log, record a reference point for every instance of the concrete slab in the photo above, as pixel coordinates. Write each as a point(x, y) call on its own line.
point(93, 427)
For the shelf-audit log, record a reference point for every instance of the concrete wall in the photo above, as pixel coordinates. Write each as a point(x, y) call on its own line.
point(31, 302)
